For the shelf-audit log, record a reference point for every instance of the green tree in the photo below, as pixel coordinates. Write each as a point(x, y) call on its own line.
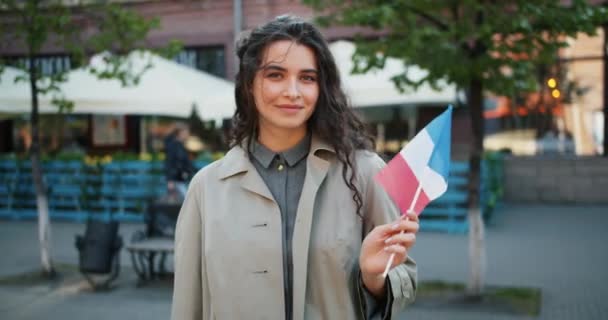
point(79, 29)
point(480, 45)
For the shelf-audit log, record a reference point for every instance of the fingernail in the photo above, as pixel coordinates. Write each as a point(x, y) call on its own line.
point(388, 240)
point(395, 226)
point(386, 248)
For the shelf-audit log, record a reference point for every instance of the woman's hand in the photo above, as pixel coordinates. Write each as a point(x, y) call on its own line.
point(397, 237)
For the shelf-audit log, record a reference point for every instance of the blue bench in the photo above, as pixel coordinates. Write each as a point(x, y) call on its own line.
point(24, 194)
point(65, 181)
point(8, 183)
point(114, 191)
point(450, 211)
point(125, 189)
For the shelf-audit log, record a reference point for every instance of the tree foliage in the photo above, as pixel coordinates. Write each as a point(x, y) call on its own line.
point(78, 29)
point(478, 45)
point(499, 42)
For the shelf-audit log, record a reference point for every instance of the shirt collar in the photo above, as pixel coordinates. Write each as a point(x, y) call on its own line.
point(292, 156)
point(237, 161)
point(262, 154)
point(298, 152)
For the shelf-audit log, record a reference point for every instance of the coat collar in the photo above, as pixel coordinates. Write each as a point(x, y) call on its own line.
point(237, 160)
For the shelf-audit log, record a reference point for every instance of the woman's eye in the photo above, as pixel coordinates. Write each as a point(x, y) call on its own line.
point(274, 75)
point(309, 78)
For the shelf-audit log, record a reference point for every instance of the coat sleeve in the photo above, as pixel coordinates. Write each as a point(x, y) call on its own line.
point(380, 209)
point(190, 290)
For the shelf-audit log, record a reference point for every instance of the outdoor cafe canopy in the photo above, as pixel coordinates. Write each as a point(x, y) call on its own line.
point(375, 88)
point(166, 88)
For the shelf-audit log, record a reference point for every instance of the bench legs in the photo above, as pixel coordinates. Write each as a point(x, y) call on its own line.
point(145, 266)
point(161, 266)
point(140, 265)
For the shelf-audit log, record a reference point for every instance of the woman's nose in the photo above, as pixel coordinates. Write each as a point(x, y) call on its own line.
point(292, 90)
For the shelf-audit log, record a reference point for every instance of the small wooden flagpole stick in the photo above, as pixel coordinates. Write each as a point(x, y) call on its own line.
point(411, 209)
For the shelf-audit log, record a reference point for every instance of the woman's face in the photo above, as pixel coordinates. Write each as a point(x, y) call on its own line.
point(285, 88)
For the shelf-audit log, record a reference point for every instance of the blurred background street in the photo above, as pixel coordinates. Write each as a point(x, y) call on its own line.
point(559, 249)
point(99, 101)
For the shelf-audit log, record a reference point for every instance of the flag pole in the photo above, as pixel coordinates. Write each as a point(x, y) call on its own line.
point(411, 209)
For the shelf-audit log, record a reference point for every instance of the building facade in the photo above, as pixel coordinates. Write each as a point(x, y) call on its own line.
point(208, 30)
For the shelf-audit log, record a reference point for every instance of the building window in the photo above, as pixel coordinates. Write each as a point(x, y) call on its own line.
point(208, 59)
point(48, 65)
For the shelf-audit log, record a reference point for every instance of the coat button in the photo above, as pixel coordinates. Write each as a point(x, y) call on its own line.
point(280, 167)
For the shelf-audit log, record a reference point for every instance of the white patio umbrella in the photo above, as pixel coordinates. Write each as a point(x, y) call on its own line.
point(375, 88)
point(98, 96)
point(15, 96)
point(166, 88)
point(153, 94)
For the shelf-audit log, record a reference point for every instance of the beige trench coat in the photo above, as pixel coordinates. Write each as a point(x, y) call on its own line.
point(228, 252)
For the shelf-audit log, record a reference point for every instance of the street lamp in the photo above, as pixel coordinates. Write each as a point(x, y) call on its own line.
point(552, 84)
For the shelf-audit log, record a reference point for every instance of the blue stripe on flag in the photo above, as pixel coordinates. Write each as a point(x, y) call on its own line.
point(440, 130)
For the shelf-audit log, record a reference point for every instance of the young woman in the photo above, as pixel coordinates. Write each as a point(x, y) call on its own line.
point(290, 223)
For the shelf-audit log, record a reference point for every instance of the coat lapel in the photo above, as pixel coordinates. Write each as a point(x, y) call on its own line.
point(237, 162)
point(253, 182)
point(316, 171)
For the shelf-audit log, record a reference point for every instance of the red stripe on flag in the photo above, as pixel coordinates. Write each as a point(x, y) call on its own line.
point(400, 183)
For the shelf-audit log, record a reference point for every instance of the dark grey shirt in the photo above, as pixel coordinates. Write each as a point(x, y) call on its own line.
point(284, 175)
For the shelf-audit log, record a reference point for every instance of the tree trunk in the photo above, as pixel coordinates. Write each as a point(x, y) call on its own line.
point(605, 90)
point(476, 226)
point(44, 227)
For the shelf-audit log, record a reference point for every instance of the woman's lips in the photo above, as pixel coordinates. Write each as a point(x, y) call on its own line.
point(290, 108)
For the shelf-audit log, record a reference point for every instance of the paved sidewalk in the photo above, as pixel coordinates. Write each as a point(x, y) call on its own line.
point(560, 249)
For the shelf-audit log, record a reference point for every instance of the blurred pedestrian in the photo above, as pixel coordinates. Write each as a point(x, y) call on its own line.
point(290, 223)
point(178, 165)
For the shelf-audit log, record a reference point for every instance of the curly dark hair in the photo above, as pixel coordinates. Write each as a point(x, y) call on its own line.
point(333, 119)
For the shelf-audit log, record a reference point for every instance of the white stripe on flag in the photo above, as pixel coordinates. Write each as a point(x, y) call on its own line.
point(433, 183)
point(417, 153)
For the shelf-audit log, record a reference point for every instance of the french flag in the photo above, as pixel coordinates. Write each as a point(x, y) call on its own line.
point(419, 173)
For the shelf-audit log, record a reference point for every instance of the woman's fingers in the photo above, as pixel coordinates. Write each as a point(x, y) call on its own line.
point(403, 239)
point(400, 253)
point(397, 249)
point(404, 225)
point(410, 215)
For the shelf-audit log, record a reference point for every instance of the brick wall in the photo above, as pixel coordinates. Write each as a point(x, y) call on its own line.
point(206, 23)
point(210, 22)
point(580, 180)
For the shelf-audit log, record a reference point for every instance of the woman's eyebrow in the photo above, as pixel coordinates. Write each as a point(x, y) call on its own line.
point(279, 68)
point(309, 71)
point(274, 67)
